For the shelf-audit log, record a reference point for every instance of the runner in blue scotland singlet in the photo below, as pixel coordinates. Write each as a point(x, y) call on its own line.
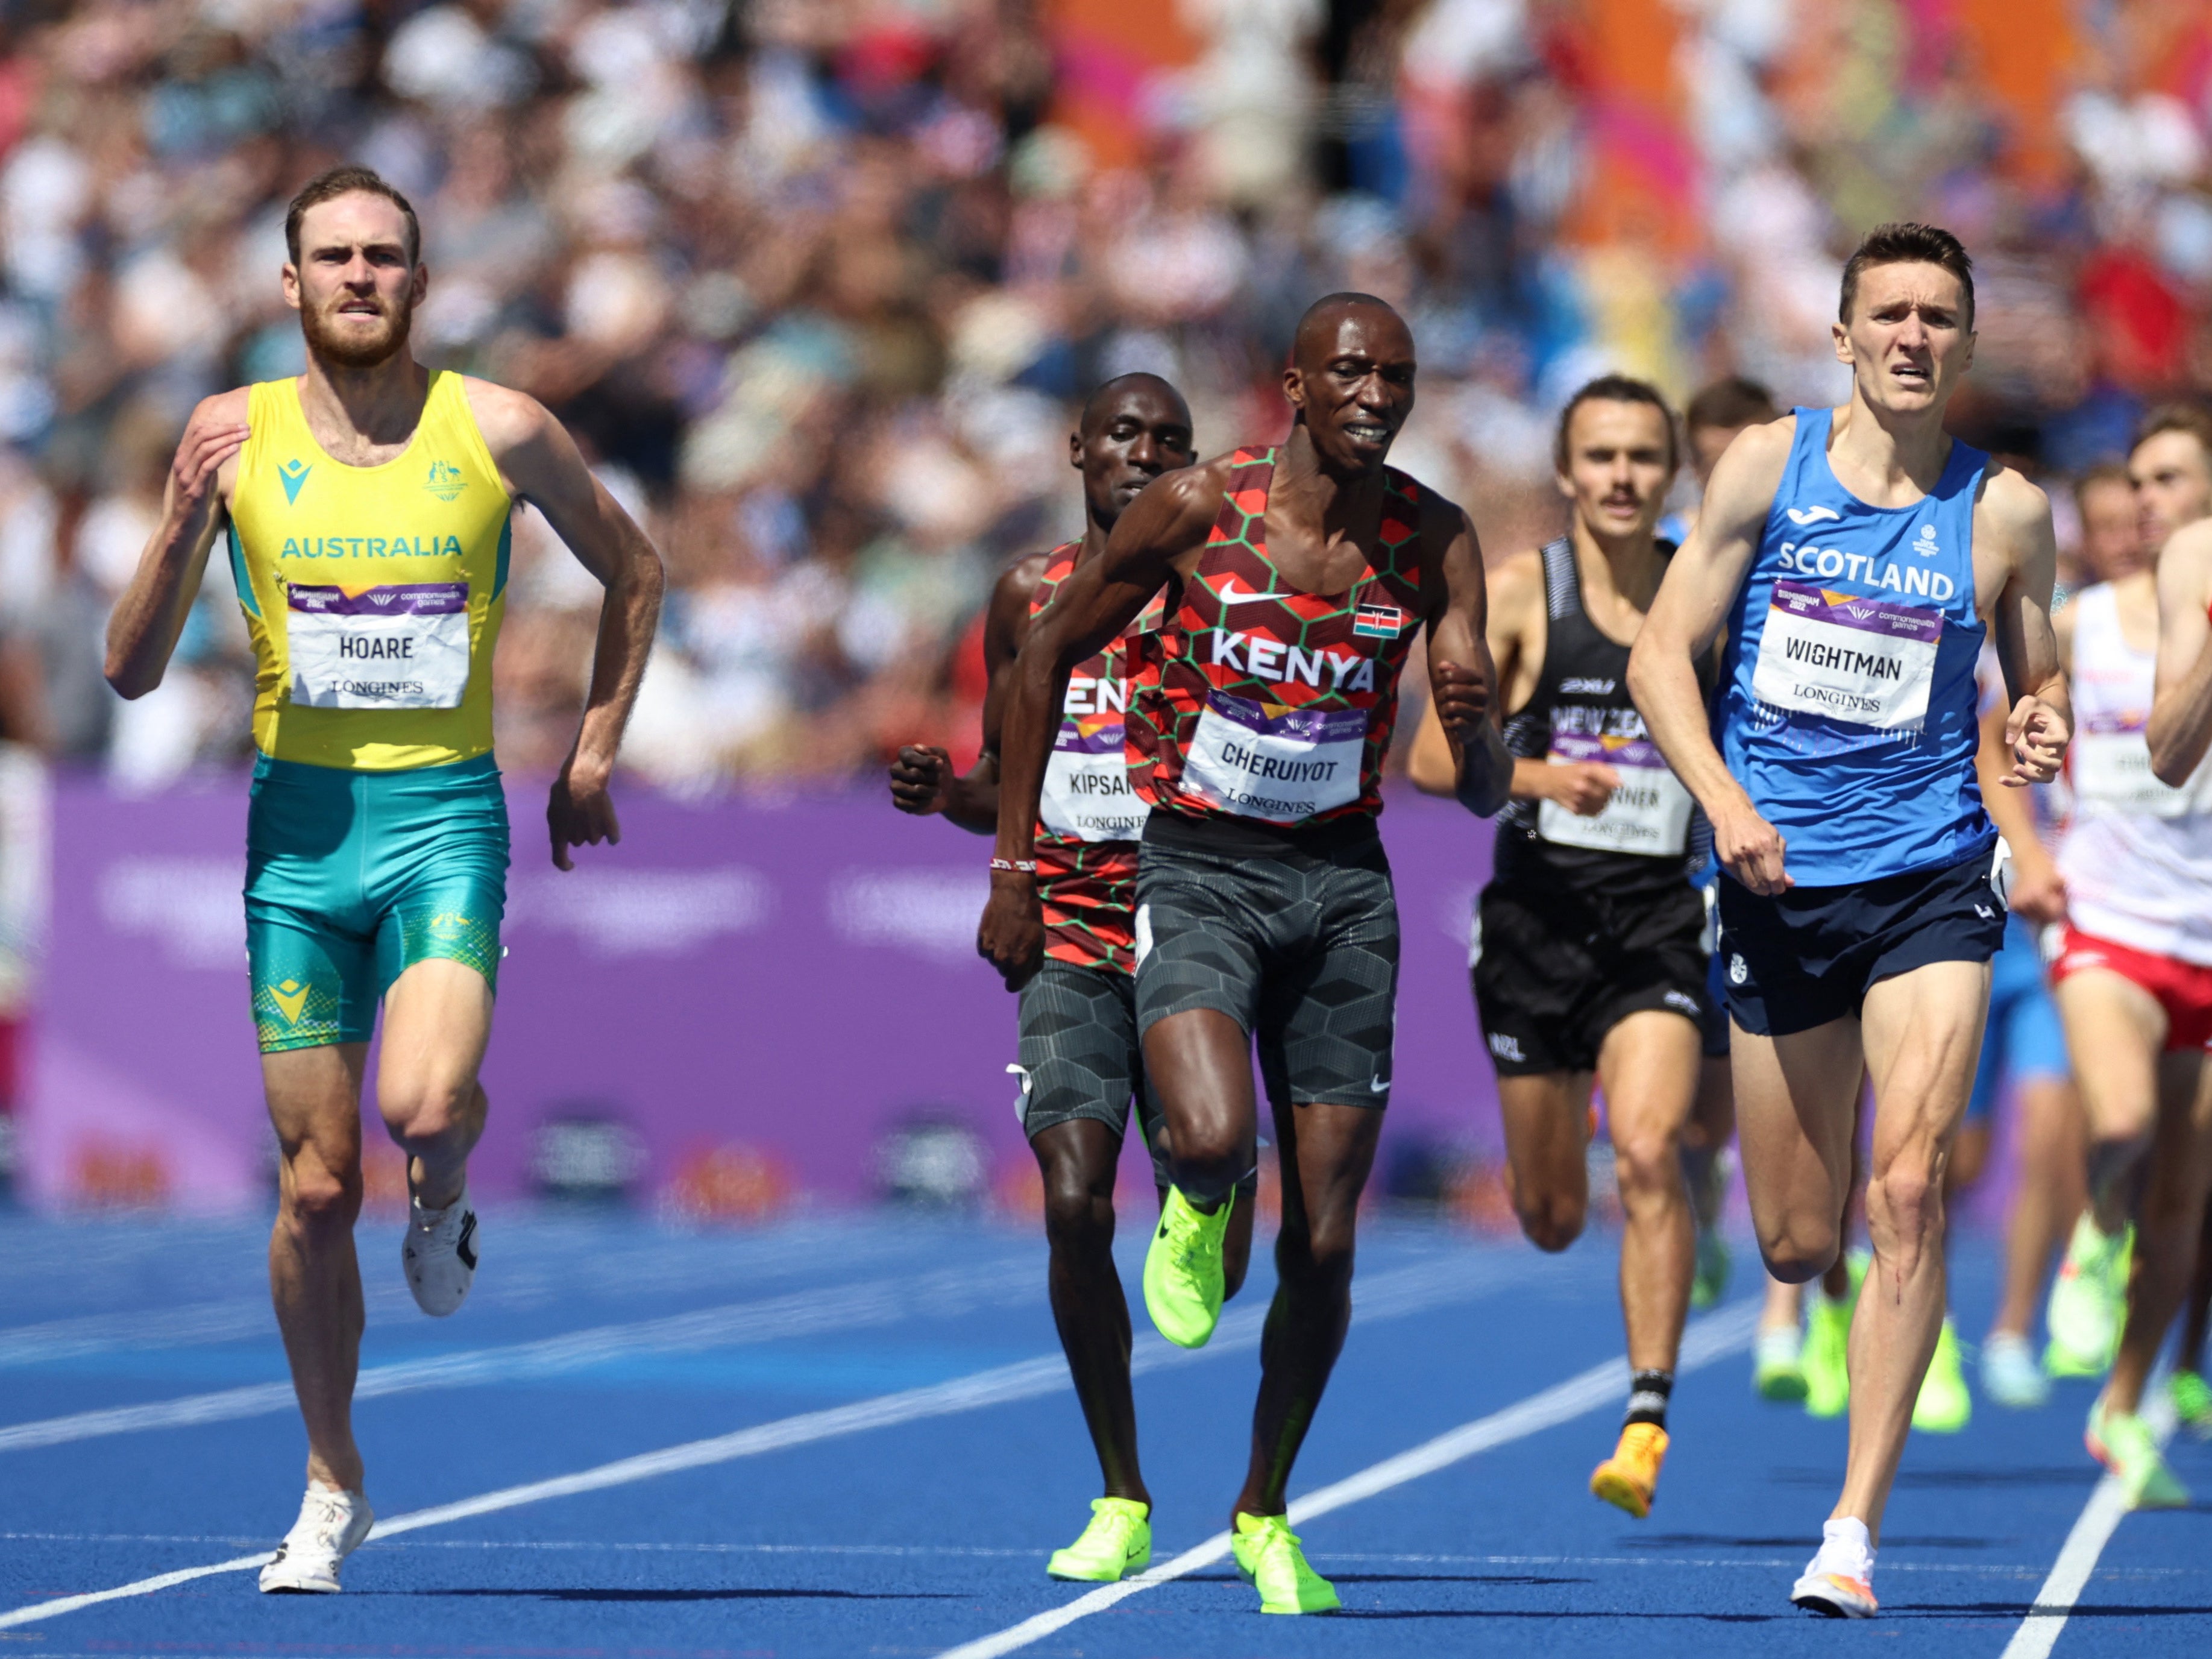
point(1858, 558)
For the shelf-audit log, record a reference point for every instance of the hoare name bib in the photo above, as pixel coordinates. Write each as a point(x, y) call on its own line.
point(404, 646)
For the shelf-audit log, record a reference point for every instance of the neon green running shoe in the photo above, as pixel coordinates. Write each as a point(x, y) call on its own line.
point(1183, 1270)
point(1944, 1406)
point(2192, 1402)
point(1777, 1369)
point(2089, 1300)
point(1117, 1542)
point(1268, 1556)
point(2124, 1444)
point(1714, 1260)
point(1827, 1355)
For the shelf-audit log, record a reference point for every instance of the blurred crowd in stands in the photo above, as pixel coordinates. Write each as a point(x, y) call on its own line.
point(818, 282)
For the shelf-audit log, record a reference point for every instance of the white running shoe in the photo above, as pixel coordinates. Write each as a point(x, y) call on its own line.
point(330, 1527)
point(439, 1254)
point(2010, 1375)
point(1839, 1582)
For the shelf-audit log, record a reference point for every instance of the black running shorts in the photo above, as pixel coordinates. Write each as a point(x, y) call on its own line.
point(1294, 938)
point(1806, 957)
point(1554, 969)
point(1080, 1057)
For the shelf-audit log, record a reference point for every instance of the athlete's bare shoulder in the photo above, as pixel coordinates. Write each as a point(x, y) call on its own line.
point(2185, 565)
point(1517, 589)
point(224, 408)
point(1019, 582)
point(2010, 502)
point(508, 419)
point(221, 409)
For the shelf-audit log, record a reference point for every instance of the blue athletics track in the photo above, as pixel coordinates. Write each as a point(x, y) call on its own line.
point(849, 1437)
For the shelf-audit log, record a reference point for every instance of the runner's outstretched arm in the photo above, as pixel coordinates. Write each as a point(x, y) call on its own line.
point(1167, 523)
point(143, 630)
point(1462, 678)
point(1692, 605)
point(541, 466)
point(923, 779)
point(2181, 707)
point(2014, 516)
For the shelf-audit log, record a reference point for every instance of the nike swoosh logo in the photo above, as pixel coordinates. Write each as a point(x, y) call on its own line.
point(1377, 1086)
point(1801, 518)
point(1229, 596)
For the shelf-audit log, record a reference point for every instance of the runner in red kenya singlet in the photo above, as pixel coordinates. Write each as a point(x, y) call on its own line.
point(1296, 578)
point(1080, 1062)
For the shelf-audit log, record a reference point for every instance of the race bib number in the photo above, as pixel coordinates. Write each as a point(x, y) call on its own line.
point(1869, 662)
point(1649, 813)
point(1087, 795)
point(402, 647)
point(2110, 762)
point(1283, 768)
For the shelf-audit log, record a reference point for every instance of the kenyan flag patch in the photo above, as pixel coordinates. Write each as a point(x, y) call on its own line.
point(1379, 622)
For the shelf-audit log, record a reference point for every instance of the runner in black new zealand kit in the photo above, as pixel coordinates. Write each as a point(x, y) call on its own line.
point(1297, 577)
point(1588, 957)
point(1080, 1064)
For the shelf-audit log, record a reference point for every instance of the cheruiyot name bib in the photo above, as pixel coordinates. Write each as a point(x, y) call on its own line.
point(1864, 661)
point(1282, 768)
point(1647, 813)
point(402, 647)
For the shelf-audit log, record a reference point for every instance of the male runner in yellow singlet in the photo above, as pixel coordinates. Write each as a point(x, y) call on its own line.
point(367, 506)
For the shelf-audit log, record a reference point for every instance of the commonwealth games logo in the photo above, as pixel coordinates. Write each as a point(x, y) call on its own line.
point(446, 481)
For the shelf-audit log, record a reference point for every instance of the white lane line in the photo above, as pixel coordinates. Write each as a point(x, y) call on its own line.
point(1404, 1291)
point(2093, 1529)
point(611, 1547)
point(1722, 1333)
point(531, 1284)
point(946, 1293)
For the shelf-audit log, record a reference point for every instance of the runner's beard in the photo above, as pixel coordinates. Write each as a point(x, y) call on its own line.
point(340, 351)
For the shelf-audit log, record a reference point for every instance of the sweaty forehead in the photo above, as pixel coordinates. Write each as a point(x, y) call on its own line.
point(1353, 331)
point(1617, 421)
point(1913, 281)
point(357, 217)
point(1150, 403)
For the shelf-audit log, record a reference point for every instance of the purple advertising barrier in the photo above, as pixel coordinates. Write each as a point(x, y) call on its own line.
point(796, 978)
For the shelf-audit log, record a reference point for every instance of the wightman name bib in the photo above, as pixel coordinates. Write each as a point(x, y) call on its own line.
point(1283, 768)
point(401, 647)
point(1866, 661)
point(1649, 813)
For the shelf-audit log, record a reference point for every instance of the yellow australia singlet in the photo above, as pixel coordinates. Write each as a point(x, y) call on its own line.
point(373, 593)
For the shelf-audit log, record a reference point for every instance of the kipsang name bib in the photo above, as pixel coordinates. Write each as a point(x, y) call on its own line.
point(1087, 795)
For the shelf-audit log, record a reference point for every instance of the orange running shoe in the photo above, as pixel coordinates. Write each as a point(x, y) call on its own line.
point(1628, 1479)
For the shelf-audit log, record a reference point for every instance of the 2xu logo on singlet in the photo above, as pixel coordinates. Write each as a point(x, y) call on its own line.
point(1086, 794)
point(404, 646)
point(1864, 661)
point(2108, 765)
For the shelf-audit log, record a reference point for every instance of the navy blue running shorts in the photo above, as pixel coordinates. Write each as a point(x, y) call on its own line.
point(1806, 957)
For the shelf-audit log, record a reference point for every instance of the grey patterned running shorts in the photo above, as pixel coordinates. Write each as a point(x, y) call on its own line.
point(1079, 1053)
point(1296, 940)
